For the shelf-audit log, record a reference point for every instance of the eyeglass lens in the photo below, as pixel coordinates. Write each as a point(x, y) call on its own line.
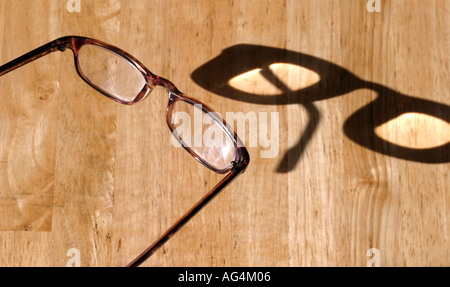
point(203, 133)
point(110, 72)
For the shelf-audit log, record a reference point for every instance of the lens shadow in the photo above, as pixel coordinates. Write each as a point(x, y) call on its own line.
point(215, 76)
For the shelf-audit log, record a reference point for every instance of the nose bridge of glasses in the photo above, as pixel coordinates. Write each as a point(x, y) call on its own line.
point(170, 87)
point(153, 81)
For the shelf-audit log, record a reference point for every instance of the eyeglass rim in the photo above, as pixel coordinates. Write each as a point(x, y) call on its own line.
point(218, 119)
point(75, 43)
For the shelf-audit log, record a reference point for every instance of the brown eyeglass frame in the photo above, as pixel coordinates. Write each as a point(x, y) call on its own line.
point(236, 167)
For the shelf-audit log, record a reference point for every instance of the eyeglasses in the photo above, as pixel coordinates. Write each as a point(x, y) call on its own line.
point(122, 78)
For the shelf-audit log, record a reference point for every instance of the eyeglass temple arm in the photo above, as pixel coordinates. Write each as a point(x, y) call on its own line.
point(186, 217)
point(58, 44)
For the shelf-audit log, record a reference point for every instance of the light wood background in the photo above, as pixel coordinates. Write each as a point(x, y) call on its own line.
point(80, 171)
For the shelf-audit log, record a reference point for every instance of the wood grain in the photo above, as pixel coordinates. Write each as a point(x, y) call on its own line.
point(80, 171)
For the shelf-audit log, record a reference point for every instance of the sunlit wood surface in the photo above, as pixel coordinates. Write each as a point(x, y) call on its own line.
point(78, 171)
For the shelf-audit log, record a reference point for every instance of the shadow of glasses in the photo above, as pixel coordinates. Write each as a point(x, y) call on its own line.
point(215, 76)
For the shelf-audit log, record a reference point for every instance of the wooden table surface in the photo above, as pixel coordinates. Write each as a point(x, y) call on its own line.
point(358, 167)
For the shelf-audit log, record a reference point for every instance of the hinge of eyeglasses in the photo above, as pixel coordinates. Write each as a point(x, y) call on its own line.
point(62, 47)
point(59, 46)
point(239, 164)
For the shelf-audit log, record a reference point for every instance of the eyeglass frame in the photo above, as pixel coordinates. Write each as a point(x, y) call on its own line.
point(236, 167)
